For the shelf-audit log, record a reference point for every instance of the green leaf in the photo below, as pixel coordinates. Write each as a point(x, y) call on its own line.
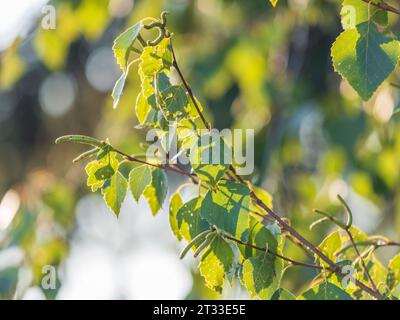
point(119, 87)
point(156, 192)
point(150, 100)
point(104, 172)
point(355, 12)
point(376, 269)
point(264, 196)
point(261, 271)
point(330, 245)
point(210, 173)
point(164, 52)
point(155, 59)
point(394, 271)
point(123, 43)
point(365, 57)
point(358, 234)
point(176, 203)
point(161, 94)
point(216, 261)
point(144, 111)
point(260, 236)
point(191, 109)
point(258, 273)
point(283, 294)
point(186, 135)
point(208, 158)
point(175, 100)
point(167, 138)
point(150, 63)
point(139, 179)
point(114, 192)
point(227, 207)
point(190, 222)
point(104, 167)
point(163, 82)
point(325, 291)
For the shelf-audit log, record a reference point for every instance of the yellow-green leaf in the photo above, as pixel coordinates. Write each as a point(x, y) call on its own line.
point(393, 277)
point(325, 291)
point(262, 272)
point(262, 195)
point(139, 179)
point(190, 222)
point(216, 261)
point(101, 169)
point(228, 207)
point(365, 57)
point(176, 203)
point(283, 294)
point(123, 43)
point(156, 192)
point(330, 245)
point(209, 158)
point(355, 12)
point(114, 192)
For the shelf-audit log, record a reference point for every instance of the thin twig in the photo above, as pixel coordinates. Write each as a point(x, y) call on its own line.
point(160, 166)
point(188, 88)
point(294, 262)
point(383, 6)
point(361, 259)
point(132, 48)
point(346, 227)
point(332, 266)
point(387, 244)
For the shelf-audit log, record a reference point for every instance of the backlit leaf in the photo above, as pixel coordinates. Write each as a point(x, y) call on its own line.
point(365, 57)
point(216, 261)
point(283, 294)
point(355, 12)
point(330, 245)
point(114, 192)
point(176, 203)
point(175, 100)
point(144, 111)
point(326, 291)
point(190, 222)
point(119, 88)
point(393, 276)
point(104, 167)
point(261, 271)
point(264, 196)
point(210, 158)
point(156, 192)
point(258, 273)
point(227, 207)
point(139, 179)
point(124, 42)
point(155, 59)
